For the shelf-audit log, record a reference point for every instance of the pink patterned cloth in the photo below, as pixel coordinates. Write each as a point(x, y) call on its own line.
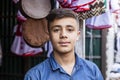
point(20, 17)
point(76, 5)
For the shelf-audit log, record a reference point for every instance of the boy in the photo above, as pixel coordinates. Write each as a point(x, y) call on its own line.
point(64, 63)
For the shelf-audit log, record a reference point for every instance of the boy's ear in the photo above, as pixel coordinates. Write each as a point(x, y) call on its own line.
point(78, 35)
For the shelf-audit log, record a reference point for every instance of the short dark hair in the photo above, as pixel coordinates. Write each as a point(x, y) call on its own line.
point(61, 13)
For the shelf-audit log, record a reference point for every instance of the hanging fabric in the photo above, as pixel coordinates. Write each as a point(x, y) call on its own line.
point(117, 58)
point(48, 48)
point(115, 72)
point(57, 5)
point(115, 6)
point(84, 8)
point(36, 9)
point(19, 47)
point(20, 17)
point(102, 21)
point(35, 31)
point(76, 5)
point(96, 8)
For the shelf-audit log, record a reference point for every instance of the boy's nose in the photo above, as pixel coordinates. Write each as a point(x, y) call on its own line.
point(63, 34)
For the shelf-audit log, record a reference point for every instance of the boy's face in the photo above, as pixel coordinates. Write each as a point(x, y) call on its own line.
point(63, 34)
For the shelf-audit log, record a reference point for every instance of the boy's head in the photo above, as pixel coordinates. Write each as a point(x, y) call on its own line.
point(61, 13)
point(63, 27)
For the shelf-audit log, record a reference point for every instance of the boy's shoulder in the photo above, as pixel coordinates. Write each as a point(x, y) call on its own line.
point(39, 67)
point(87, 64)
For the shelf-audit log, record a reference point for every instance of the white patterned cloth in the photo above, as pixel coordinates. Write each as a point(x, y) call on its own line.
point(100, 22)
point(114, 6)
point(118, 42)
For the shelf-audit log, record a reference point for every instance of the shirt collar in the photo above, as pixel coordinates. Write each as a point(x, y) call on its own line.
point(55, 65)
point(78, 62)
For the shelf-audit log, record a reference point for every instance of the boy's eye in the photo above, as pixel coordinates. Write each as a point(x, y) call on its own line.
point(70, 29)
point(56, 30)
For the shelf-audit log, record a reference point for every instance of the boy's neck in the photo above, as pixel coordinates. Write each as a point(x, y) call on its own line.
point(67, 61)
point(66, 58)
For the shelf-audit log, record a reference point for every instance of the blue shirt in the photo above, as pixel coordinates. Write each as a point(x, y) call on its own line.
point(51, 70)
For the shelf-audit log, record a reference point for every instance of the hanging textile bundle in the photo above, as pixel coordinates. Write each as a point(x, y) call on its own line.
point(20, 17)
point(115, 6)
point(48, 48)
point(96, 8)
point(76, 5)
point(84, 8)
point(115, 72)
point(35, 9)
point(35, 31)
point(118, 46)
point(23, 44)
point(19, 46)
point(100, 22)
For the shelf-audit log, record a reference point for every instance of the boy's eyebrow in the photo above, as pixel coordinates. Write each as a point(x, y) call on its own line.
point(55, 26)
point(69, 26)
